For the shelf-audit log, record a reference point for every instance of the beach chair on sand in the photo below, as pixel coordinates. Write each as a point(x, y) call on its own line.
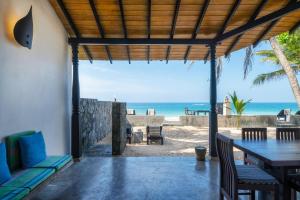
point(154, 133)
point(129, 134)
point(284, 115)
point(151, 112)
point(130, 111)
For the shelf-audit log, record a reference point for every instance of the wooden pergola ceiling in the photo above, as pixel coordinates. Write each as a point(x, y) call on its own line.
point(171, 19)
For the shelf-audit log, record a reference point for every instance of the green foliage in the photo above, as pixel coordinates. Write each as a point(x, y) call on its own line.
point(262, 78)
point(239, 104)
point(290, 44)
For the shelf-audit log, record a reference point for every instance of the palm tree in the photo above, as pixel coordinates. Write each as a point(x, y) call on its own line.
point(285, 55)
point(239, 106)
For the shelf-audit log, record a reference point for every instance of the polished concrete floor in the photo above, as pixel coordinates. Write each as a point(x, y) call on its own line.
point(134, 178)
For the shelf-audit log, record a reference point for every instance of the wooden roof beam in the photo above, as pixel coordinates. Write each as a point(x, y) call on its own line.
point(197, 27)
point(269, 27)
point(73, 27)
point(139, 41)
point(100, 28)
point(226, 22)
point(253, 17)
point(175, 16)
point(124, 27)
point(262, 20)
point(149, 28)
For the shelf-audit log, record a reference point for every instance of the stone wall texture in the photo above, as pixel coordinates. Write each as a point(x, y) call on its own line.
point(231, 121)
point(223, 121)
point(95, 121)
point(139, 120)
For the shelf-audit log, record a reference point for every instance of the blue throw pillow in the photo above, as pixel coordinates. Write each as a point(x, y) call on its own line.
point(4, 170)
point(33, 149)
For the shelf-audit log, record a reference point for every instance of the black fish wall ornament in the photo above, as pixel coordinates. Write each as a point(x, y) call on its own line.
point(23, 31)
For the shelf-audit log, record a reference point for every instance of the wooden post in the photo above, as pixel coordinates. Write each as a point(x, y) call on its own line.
point(76, 144)
point(213, 121)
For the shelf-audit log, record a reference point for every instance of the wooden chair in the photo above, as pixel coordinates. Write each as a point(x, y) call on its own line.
point(294, 184)
point(288, 134)
point(129, 134)
point(253, 134)
point(154, 133)
point(241, 177)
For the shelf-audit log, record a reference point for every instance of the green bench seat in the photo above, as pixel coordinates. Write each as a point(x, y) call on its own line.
point(30, 178)
point(54, 162)
point(11, 193)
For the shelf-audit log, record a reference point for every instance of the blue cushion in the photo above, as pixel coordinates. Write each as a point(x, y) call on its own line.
point(33, 149)
point(4, 170)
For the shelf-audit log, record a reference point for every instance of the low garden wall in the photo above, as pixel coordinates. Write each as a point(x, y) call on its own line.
point(223, 121)
point(231, 121)
point(140, 120)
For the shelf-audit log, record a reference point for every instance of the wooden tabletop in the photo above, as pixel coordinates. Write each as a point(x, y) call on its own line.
point(273, 152)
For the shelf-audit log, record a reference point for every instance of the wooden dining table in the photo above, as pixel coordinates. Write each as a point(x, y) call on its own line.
point(276, 155)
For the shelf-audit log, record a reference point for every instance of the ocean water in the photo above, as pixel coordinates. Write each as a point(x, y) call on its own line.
point(177, 109)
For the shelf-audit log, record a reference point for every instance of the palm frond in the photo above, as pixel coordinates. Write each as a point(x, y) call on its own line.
point(248, 61)
point(268, 56)
point(219, 67)
point(191, 65)
point(275, 75)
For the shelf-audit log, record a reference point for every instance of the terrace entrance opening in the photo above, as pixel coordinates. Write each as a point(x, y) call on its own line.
point(168, 30)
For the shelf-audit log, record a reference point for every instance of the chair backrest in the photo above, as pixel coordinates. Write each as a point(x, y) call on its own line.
point(228, 173)
point(281, 113)
point(154, 130)
point(288, 133)
point(254, 133)
point(129, 131)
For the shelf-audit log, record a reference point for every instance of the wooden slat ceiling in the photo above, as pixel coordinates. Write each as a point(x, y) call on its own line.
point(162, 12)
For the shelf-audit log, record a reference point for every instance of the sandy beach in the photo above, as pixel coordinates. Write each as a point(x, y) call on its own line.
point(181, 140)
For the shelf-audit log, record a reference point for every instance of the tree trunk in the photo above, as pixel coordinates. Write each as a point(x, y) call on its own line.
point(287, 68)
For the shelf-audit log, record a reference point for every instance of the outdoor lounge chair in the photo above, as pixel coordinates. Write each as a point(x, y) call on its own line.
point(154, 133)
point(151, 112)
point(129, 134)
point(241, 177)
point(253, 134)
point(284, 115)
point(130, 111)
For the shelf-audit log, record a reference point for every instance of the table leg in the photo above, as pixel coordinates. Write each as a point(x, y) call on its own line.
point(286, 191)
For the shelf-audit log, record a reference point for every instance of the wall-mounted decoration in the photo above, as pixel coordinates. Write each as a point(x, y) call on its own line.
point(23, 31)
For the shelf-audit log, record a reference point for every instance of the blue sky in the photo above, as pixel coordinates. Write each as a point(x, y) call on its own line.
point(178, 82)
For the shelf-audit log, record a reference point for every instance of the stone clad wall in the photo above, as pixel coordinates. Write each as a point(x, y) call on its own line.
point(143, 120)
point(95, 121)
point(223, 121)
point(231, 121)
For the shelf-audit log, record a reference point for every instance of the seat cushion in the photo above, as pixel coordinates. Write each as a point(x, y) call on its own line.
point(33, 149)
point(11, 193)
point(13, 149)
point(249, 174)
point(55, 162)
point(4, 170)
point(30, 178)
